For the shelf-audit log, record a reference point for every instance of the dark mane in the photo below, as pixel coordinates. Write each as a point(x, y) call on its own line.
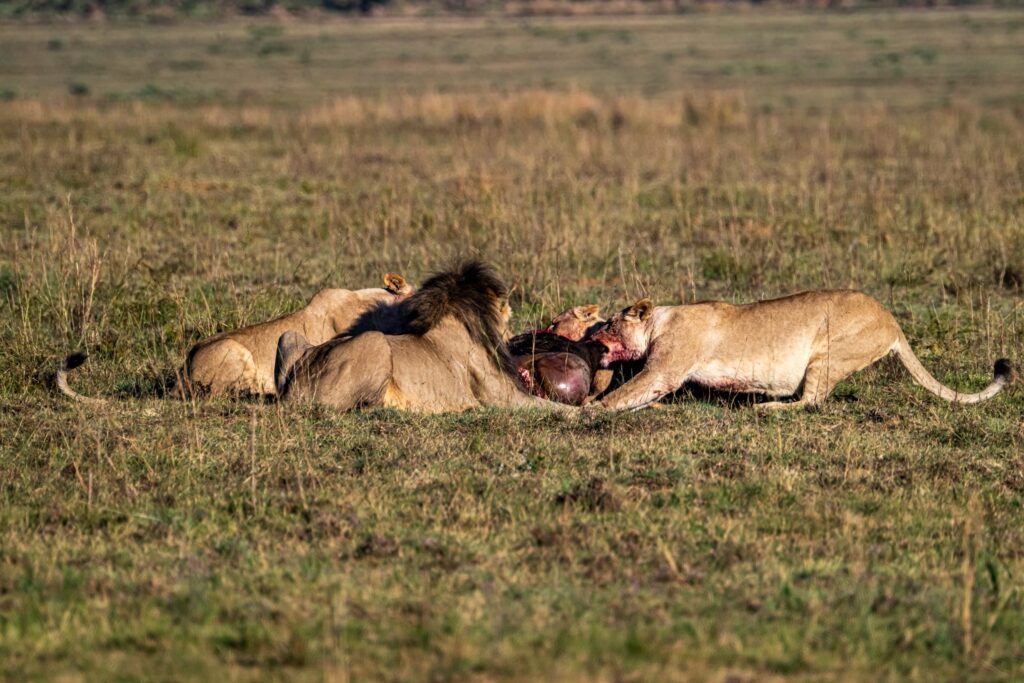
point(469, 292)
point(385, 317)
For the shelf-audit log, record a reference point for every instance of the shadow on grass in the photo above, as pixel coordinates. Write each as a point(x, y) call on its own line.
point(692, 391)
point(161, 384)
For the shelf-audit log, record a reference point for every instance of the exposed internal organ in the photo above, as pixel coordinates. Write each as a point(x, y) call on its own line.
point(563, 377)
point(555, 368)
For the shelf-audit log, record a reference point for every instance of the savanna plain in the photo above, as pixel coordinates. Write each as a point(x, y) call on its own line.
point(159, 183)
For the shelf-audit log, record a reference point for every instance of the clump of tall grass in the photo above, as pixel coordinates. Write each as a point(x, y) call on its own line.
point(544, 108)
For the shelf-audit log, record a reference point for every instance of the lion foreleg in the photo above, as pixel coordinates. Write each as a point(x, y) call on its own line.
point(641, 391)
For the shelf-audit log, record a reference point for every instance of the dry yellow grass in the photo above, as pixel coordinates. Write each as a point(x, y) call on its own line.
point(879, 539)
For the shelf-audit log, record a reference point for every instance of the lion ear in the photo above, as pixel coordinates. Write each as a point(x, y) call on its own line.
point(394, 283)
point(587, 312)
point(641, 310)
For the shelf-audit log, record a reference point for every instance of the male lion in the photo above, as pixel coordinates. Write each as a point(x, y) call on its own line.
point(242, 361)
point(450, 356)
point(797, 347)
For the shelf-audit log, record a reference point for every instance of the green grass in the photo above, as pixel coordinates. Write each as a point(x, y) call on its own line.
point(198, 185)
point(905, 58)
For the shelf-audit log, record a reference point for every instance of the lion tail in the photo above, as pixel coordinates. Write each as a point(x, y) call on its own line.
point(1002, 375)
point(67, 365)
point(290, 347)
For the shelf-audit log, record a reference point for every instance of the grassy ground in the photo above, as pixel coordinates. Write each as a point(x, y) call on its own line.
point(906, 58)
point(202, 178)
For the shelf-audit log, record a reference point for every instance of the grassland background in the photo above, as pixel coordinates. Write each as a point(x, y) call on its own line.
point(166, 11)
point(161, 183)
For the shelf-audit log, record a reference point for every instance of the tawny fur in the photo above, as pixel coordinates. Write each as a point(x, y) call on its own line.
point(242, 361)
point(577, 323)
point(797, 347)
point(450, 356)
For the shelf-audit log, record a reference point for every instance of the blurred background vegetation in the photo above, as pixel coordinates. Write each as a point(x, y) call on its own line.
point(157, 10)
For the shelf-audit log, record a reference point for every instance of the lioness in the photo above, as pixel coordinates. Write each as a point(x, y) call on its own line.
point(242, 361)
point(798, 347)
point(576, 323)
point(452, 355)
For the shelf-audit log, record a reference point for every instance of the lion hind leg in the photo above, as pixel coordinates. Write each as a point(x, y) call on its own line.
point(838, 361)
point(290, 347)
point(819, 381)
point(224, 367)
point(816, 387)
point(813, 391)
point(356, 373)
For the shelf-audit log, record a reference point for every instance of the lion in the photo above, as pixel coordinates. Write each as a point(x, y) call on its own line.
point(241, 362)
point(794, 349)
point(450, 355)
point(578, 323)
